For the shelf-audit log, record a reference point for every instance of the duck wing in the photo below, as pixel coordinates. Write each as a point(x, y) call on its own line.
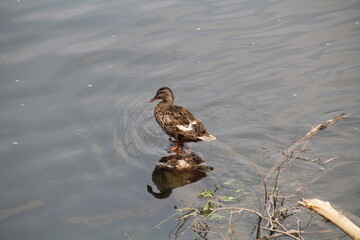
point(180, 123)
point(186, 122)
point(181, 116)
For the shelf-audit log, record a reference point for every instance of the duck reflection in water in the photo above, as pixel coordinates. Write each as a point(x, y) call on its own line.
point(176, 171)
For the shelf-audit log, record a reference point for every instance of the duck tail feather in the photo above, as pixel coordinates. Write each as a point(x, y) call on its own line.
point(207, 138)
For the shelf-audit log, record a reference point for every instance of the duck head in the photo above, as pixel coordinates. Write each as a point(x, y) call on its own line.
point(165, 94)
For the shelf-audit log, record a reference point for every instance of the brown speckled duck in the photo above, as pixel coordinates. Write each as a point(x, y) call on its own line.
point(178, 122)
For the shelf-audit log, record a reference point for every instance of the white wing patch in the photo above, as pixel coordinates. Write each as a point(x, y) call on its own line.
point(187, 128)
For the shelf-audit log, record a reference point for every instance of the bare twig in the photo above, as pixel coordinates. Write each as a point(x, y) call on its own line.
point(289, 233)
point(298, 226)
point(329, 160)
point(282, 233)
point(230, 230)
point(289, 150)
point(127, 236)
point(313, 131)
point(238, 210)
point(263, 181)
point(166, 219)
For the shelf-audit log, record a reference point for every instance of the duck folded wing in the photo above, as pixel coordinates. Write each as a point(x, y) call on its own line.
point(180, 116)
point(185, 121)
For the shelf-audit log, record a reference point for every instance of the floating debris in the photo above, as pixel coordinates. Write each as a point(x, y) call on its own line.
point(90, 85)
point(198, 29)
point(328, 44)
point(15, 143)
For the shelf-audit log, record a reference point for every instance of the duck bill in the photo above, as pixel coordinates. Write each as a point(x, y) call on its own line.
point(153, 99)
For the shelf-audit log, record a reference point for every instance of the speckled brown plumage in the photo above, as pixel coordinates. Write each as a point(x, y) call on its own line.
point(178, 122)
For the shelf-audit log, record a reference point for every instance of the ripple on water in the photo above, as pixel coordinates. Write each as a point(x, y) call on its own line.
point(137, 132)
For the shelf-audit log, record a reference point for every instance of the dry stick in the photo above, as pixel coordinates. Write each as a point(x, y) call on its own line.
point(270, 199)
point(238, 210)
point(263, 181)
point(328, 212)
point(329, 160)
point(275, 236)
point(298, 226)
point(230, 229)
point(166, 220)
point(284, 233)
point(211, 227)
point(178, 232)
point(266, 197)
point(129, 238)
point(296, 232)
point(313, 131)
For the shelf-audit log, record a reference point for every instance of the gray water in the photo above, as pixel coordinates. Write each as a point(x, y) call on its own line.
point(78, 141)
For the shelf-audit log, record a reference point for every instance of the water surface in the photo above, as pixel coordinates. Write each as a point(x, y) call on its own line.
point(78, 141)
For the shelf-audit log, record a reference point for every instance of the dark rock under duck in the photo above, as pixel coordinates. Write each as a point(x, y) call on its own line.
point(178, 122)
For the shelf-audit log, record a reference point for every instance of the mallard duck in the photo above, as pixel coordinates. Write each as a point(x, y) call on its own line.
point(178, 122)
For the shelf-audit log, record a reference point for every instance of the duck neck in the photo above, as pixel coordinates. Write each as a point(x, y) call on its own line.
point(165, 103)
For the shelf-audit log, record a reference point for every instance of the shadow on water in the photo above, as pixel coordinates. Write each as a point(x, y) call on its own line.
point(175, 171)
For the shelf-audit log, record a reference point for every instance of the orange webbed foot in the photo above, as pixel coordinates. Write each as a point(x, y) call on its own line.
point(178, 148)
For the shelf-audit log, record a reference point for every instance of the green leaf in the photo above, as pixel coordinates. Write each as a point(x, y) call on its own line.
point(227, 199)
point(233, 182)
point(206, 193)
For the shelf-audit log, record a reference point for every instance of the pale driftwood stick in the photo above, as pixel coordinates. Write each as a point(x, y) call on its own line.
point(327, 211)
point(313, 131)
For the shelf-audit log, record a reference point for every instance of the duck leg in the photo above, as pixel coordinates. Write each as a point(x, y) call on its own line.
point(178, 148)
